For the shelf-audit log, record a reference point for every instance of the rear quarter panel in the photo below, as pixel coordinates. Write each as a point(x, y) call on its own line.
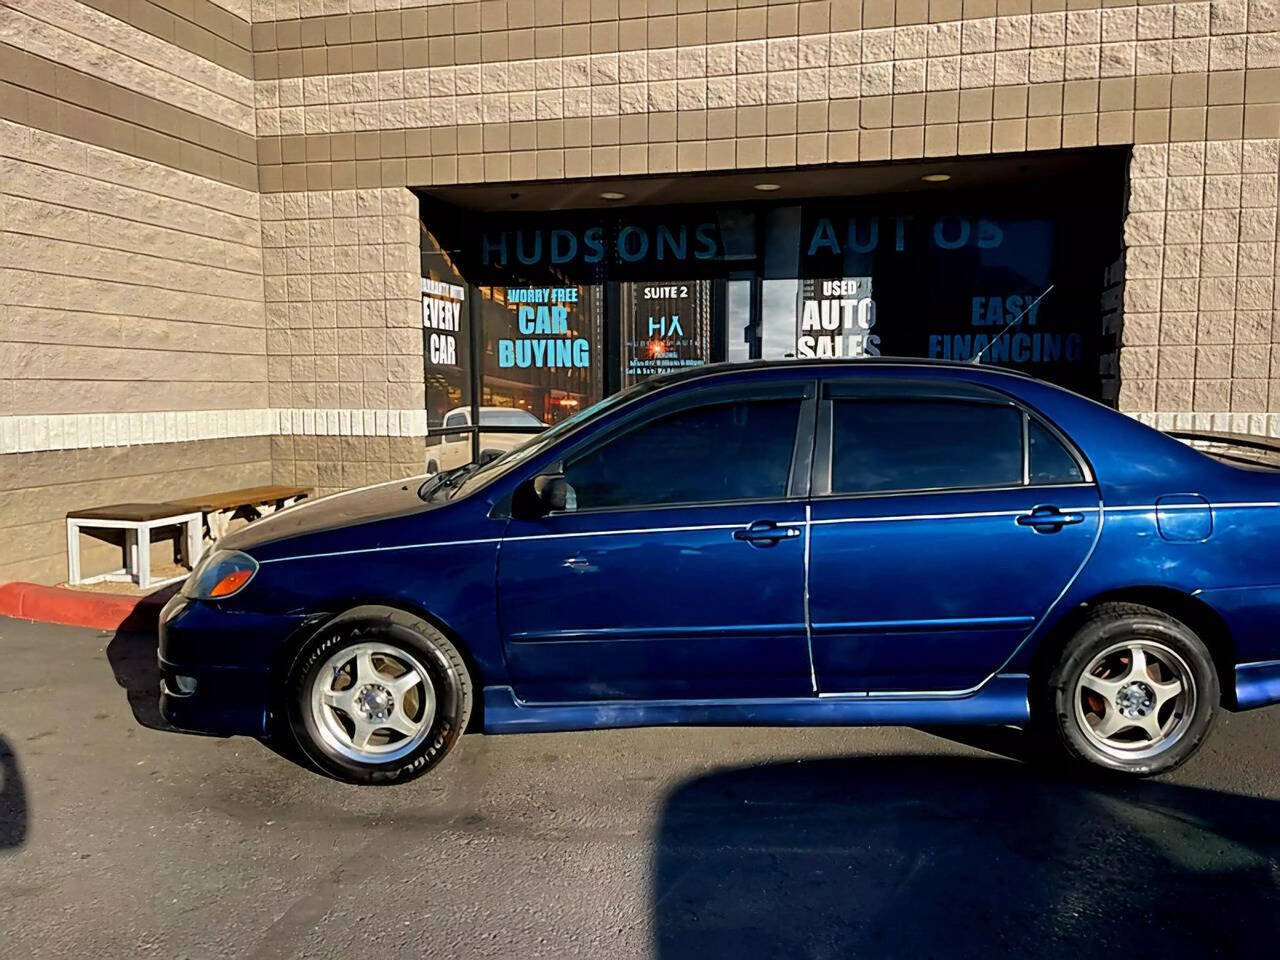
point(1234, 570)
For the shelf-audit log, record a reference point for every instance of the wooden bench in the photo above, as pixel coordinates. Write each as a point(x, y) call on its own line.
point(219, 509)
point(137, 520)
point(206, 518)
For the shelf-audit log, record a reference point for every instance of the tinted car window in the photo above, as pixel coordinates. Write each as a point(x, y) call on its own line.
point(905, 444)
point(455, 420)
point(1050, 461)
point(725, 451)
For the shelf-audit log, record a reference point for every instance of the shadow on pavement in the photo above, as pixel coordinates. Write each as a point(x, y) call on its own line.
point(132, 655)
point(13, 800)
point(960, 857)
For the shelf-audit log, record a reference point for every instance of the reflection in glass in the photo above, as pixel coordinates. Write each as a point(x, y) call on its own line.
point(665, 462)
point(888, 445)
point(778, 318)
point(740, 337)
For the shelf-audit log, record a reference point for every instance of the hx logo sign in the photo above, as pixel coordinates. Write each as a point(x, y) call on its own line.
point(665, 327)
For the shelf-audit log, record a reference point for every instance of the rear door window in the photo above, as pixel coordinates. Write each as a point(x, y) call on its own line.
point(900, 444)
point(1049, 461)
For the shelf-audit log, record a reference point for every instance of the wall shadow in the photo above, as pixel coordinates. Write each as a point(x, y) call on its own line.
point(14, 813)
point(960, 857)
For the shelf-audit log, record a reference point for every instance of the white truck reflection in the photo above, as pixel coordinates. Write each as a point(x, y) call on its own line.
point(454, 449)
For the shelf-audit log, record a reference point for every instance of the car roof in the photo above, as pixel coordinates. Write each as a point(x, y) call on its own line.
point(833, 365)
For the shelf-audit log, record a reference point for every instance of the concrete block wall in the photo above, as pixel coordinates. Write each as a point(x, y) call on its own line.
point(245, 166)
point(1201, 330)
point(132, 317)
point(344, 334)
point(446, 93)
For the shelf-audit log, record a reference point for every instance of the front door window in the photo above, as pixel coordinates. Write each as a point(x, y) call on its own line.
point(666, 462)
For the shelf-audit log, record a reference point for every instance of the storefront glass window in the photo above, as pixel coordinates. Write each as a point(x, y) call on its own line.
point(740, 334)
point(446, 341)
point(542, 350)
point(666, 326)
point(560, 308)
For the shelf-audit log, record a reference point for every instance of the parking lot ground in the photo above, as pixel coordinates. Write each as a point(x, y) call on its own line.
point(119, 840)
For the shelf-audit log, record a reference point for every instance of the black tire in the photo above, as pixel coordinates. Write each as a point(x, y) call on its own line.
point(1058, 717)
point(396, 630)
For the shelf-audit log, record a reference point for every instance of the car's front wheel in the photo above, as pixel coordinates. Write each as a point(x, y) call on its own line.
point(1133, 692)
point(379, 696)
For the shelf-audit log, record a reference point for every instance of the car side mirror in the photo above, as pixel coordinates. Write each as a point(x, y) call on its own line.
point(553, 492)
point(541, 495)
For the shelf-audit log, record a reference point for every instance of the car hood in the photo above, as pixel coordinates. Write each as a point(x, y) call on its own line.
point(378, 502)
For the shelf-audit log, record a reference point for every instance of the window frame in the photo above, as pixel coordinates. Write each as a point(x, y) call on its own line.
point(959, 392)
point(799, 475)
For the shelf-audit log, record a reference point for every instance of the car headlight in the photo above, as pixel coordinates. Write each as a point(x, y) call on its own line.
point(220, 574)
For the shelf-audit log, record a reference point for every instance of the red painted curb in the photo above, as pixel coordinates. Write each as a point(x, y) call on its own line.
point(79, 608)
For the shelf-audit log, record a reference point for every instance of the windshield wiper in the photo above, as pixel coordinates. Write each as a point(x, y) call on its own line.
point(447, 480)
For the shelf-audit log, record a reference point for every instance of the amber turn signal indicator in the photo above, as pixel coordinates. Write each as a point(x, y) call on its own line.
point(232, 582)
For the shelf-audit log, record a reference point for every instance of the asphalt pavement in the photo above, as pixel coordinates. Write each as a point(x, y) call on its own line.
point(121, 840)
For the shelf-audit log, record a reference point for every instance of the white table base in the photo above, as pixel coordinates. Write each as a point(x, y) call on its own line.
point(137, 547)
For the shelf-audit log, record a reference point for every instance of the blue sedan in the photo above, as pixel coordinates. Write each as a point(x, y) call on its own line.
point(866, 542)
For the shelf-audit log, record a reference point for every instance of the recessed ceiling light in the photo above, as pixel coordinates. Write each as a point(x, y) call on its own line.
point(612, 195)
point(768, 187)
point(936, 177)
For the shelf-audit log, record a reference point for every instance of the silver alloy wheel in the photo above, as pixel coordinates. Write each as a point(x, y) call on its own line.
point(1135, 699)
point(372, 702)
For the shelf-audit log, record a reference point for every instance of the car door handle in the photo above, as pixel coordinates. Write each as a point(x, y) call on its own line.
point(1048, 519)
point(765, 533)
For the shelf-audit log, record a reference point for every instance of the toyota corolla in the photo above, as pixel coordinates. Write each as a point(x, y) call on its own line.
point(849, 543)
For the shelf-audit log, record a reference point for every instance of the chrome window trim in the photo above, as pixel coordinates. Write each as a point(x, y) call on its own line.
point(943, 491)
point(1026, 449)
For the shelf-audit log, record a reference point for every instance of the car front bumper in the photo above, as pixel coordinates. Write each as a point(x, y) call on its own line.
point(216, 666)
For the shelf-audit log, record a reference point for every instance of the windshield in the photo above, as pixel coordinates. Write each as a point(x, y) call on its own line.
point(508, 418)
point(539, 442)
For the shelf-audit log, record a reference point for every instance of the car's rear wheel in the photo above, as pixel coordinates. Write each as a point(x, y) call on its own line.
point(378, 696)
point(1134, 692)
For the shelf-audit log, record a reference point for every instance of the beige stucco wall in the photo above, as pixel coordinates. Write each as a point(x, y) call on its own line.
point(206, 229)
point(1200, 325)
point(344, 333)
point(492, 92)
point(131, 293)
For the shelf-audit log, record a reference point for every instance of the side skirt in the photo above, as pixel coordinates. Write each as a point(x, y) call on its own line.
point(1257, 684)
point(1003, 700)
